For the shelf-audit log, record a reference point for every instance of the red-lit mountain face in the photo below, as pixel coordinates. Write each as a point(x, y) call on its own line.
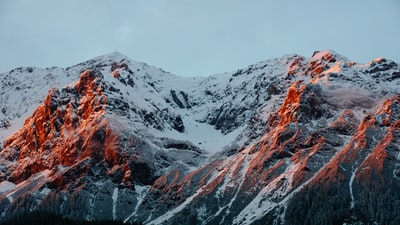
point(292, 140)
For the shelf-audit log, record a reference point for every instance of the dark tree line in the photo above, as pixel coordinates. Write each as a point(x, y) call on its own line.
point(47, 218)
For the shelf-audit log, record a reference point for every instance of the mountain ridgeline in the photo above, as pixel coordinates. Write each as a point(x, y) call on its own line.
point(291, 140)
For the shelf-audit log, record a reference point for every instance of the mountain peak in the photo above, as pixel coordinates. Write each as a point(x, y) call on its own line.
point(328, 55)
point(116, 56)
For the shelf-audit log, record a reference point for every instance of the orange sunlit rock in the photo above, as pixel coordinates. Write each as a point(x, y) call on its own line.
point(296, 66)
point(77, 129)
point(287, 112)
point(116, 74)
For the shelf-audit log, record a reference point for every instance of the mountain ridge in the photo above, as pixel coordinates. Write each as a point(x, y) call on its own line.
point(132, 142)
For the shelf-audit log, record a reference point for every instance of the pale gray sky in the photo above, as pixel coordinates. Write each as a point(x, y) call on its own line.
point(189, 37)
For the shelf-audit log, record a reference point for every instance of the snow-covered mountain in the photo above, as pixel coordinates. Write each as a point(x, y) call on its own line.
point(291, 140)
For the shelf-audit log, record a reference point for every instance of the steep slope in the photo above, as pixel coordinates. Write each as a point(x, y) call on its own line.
point(364, 174)
point(316, 125)
point(272, 143)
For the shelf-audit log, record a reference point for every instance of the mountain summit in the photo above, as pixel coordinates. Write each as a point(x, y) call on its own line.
point(291, 140)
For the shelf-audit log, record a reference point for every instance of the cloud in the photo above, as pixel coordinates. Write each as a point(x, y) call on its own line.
point(351, 97)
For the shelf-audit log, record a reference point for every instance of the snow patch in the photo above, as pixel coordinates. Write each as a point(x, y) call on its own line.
point(202, 135)
point(6, 186)
point(336, 68)
point(45, 191)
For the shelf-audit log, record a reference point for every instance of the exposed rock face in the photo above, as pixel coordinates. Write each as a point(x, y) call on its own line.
point(301, 141)
point(66, 128)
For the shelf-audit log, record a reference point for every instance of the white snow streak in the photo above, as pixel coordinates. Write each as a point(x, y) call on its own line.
point(10, 198)
point(174, 211)
point(252, 211)
point(168, 215)
point(353, 174)
point(356, 166)
point(89, 216)
point(243, 173)
point(229, 182)
point(141, 194)
point(114, 204)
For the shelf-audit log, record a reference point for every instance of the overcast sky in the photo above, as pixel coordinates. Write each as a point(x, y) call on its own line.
point(189, 37)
